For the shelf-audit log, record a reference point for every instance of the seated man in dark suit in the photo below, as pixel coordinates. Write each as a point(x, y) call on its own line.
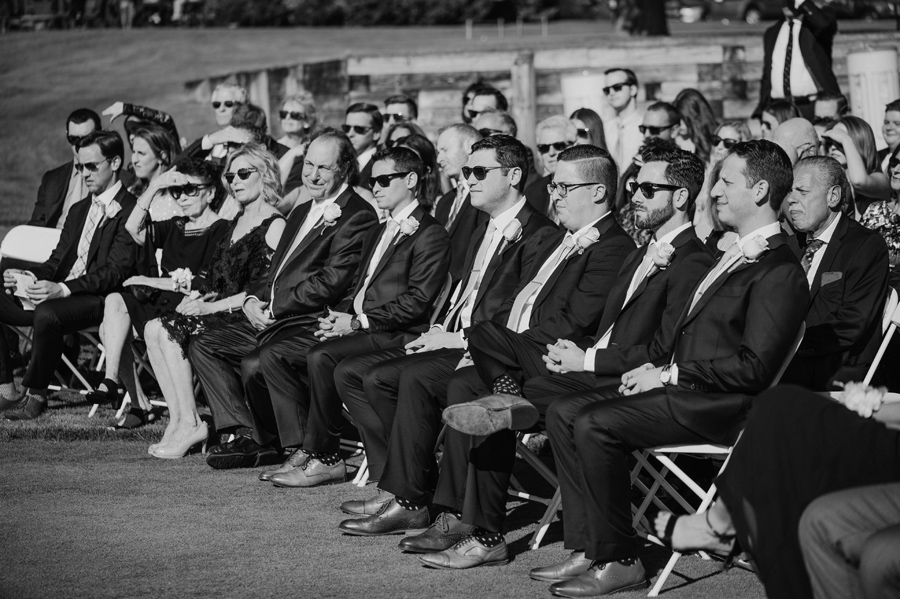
point(454, 209)
point(65, 294)
point(363, 124)
point(314, 266)
point(847, 269)
point(554, 134)
point(389, 392)
point(563, 294)
point(731, 339)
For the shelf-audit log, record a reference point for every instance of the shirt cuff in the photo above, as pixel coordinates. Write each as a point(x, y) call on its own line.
point(673, 371)
point(65, 289)
point(205, 144)
point(439, 327)
point(247, 299)
point(364, 321)
point(590, 359)
point(465, 342)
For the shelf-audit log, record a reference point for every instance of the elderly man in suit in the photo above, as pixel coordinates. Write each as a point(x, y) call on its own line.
point(554, 134)
point(730, 341)
point(847, 269)
point(563, 294)
point(403, 269)
point(388, 393)
point(65, 294)
point(314, 266)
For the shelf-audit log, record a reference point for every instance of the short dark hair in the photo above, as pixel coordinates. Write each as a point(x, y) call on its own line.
point(348, 167)
point(487, 90)
point(405, 160)
point(782, 110)
point(766, 161)
point(841, 99)
point(400, 99)
point(252, 118)
point(209, 173)
point(684, 169)
point(594, 164)
point(672, 113)
point(631, 77)
point(509, 152)
point(80, 116)
point(372, 111)
point(831, 173)
point(893, 106)
point(109, 142)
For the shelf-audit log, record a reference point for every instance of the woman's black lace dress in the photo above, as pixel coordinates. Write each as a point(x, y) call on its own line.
point(233, 267)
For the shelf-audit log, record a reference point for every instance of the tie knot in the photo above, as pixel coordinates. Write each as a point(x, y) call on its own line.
point(492, 226)
point(392, 226)
point(569, 241)
point(813, 246)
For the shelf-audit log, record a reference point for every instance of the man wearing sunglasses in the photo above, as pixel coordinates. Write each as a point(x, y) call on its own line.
point(363, 124)
point(622, 135)
point(563, 294)
point(398, 387)
point(225, 98)
point(403, 269)
point(484, 98)
point(400, 109)
point(553, 134)
point(313, 267)
point(660, 120)
point(94, 255)
point(847, 270)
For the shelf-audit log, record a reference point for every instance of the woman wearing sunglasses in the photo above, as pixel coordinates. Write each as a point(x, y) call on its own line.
point(588, 127)
point(298, 120)
point(884, 217)
point(215, 300)
point(184, 242)
point(851, 141)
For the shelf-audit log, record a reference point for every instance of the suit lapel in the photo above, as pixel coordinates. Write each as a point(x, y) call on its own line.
point(317, 230)
point(101, 226)
point(831, 250)
point(294, 222)
point(680, 240)
point(494, 263)
point(399, 239)
point(464, 207)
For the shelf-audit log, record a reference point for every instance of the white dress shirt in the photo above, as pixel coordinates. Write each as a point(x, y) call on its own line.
point(624, 138)
point(802, 83)
point(825, 238)
point(363, 159)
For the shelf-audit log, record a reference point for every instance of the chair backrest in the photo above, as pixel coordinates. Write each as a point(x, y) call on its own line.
point(894, 322)
point(441, 299)
point(890, 306)
point(33, 244)
point(790, 356)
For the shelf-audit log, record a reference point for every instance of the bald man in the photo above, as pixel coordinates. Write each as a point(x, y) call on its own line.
point(798, 135)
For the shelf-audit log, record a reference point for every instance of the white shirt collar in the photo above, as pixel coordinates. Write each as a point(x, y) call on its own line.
point(107, 196)
point(828, 233)
point(331, 199)
point(501, 220)
point(405, 212)
point(584, 229)
point(671, 235)
point(363, 159)
point(765, 232)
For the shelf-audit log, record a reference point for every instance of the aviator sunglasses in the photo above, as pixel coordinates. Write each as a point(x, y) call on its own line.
point(242, 173)
point(91, 167)
point(648, 190)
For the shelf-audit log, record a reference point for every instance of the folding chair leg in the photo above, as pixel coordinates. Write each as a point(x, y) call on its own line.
point(544, 524)
point(670, 565)
point(362, 475)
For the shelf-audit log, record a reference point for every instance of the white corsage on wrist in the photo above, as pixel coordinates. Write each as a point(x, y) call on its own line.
point(863, 400)
point(181, 279)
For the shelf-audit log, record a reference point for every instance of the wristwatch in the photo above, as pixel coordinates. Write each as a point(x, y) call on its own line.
point(665, 375)
point(355, 323)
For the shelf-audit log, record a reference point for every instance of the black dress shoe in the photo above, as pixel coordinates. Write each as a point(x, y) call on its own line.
point(243, 452)
point(366, 507)
point(491, 414)
point(603, 579)
point(391, 519)
point(573, 566)
point(446, 532)
point(30, 408)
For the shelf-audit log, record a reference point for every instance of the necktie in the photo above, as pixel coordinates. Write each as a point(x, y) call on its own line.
point(474, 278)
point(457, 203)
point(639, 275)
point(386, 238)
point(787, 60)
point(730, 257)
point(811, 248)
point(94, 216)
point(534, 286)
point(312, 217)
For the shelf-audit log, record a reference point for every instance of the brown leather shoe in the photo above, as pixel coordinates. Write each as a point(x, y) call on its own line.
point(573, 566)
point(295, 460)
point(490, 414)
point(391, 519)
point(447, 531)
point(311, 474)
point(468, 553)
point(604, 578)
point(366, 507)
point(30, 408)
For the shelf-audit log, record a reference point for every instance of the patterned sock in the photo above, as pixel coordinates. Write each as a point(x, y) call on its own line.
point(505, 385)
point(487, 538)
point(407, 504)
point(329, 459)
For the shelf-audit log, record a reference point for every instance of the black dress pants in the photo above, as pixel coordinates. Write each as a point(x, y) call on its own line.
point(52, 320)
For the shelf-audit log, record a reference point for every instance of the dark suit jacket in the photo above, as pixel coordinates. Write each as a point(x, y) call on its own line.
point(321, 268)
point(364, 174)
point(408, 278)
point(571, 302)
point(509, 264)
point(112, 253)
point(816, 38)
point(644, 328)
point(538, 196)
point(51, 196)
point(467, 221)
point(846, 304)
point(732, 344)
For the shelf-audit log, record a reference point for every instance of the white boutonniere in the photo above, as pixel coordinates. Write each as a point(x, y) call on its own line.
point(754, 249)
point(181, 279)
point(112, 209)
point(661, 257)
point(589, 238)
point(512, 233)
point(408, 226)
point(863, 400)
point(330, 216)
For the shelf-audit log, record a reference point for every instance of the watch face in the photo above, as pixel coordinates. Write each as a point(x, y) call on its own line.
point(355, 324)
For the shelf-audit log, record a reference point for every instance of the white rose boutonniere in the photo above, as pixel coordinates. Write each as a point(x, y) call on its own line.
point(662, 255)
point(408, 226)
point(589, 238)
point(181, 279)
point(754, 249)
point(512, 233)
point(330, 216)
point(112, 209)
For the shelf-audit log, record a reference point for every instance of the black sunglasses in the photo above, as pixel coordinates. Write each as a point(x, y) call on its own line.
point(75, 140)
point(91, 167)
point(583, 132)
point(242, 173)
point(828, 144)
point(823, 120)
point(190, 190)
point(562, 189)
point(473, 114)
point(615, 87)
point(728, 143)
point(227, 103)
point(487, 132)
point(297, 116)
point(385, 180)
point(480, 172)
point(558, 146)
point(395, 117)
point(358, 129)
point(645, 129)
point(648, 190)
